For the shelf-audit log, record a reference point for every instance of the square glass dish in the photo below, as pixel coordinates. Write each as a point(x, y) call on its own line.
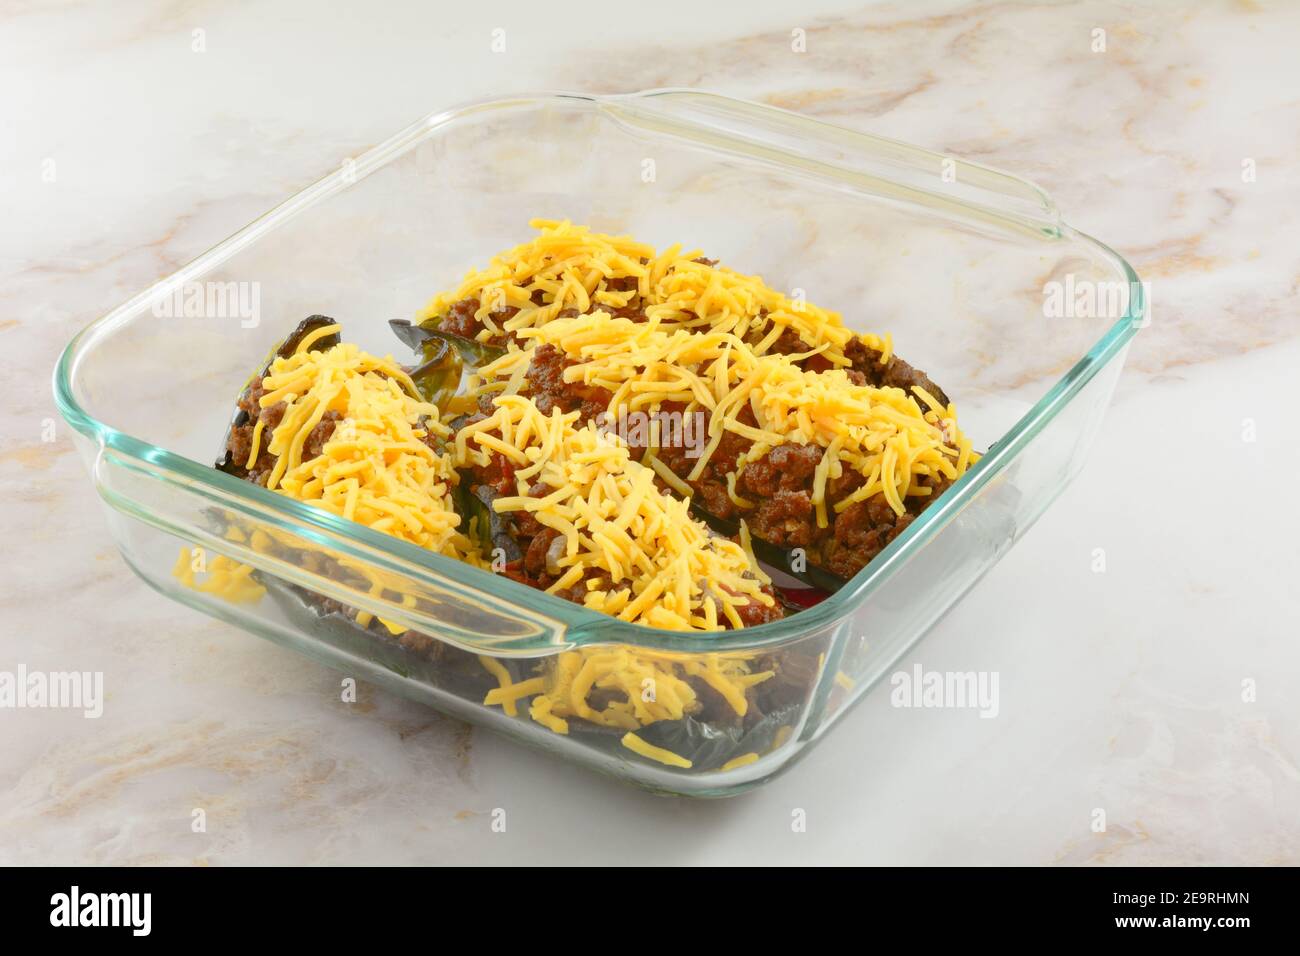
point(959, 262)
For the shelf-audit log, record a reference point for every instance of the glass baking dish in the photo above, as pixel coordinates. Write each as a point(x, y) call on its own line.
point(961, 263)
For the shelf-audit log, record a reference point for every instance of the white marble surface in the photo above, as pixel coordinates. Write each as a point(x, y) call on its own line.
point(1120, 690)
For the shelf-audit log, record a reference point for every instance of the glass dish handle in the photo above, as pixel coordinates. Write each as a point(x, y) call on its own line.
point(861, 161)
point(294, 548)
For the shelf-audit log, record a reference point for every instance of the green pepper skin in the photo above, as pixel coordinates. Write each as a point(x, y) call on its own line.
point(423, 336)
point(438, 377)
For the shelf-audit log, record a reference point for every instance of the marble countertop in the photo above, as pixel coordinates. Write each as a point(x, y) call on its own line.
point(141, 134)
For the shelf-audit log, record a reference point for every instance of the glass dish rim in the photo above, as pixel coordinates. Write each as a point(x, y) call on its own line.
point(581, 626)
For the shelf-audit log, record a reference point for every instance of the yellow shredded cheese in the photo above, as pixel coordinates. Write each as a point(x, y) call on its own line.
point(568, 266)
point(225, 578)
point(883, 433)
point(375, 468)
point(646, 560)
point(646, 686)
point(714, 342)
point(744, 760)
point(634, 743)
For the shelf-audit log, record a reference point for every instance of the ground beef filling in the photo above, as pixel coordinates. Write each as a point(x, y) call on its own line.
point(240, 442)
point(780, 484)
point(548, 390)
point(895, 373)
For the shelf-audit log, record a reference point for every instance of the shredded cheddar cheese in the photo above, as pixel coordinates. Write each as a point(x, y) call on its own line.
point(744, 760)
point(376, 467)
point(882, 433)
point(642, 556)
point(634, 743)
point(568, 266)
point(646, 686)
point(706, 340)
point(225, 577)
